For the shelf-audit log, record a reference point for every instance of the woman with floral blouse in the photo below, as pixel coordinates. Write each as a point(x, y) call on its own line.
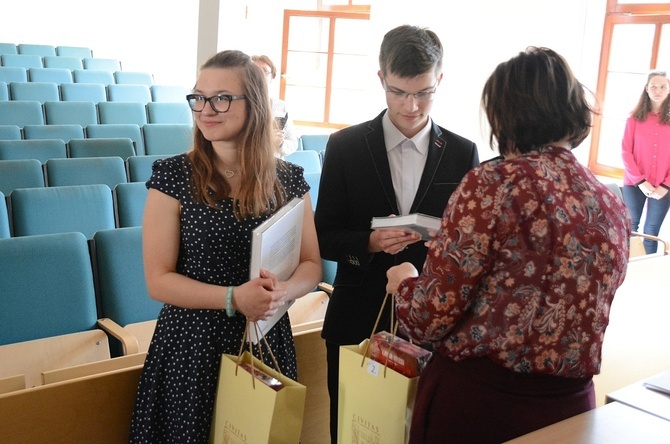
point(515, 293)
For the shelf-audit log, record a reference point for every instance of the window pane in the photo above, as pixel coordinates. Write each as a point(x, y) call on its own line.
point(631, 48)
point(351, 36)
point(307, 103)
point(664, 49)
point(308, 34)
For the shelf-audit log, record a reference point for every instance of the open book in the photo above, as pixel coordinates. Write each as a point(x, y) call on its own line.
point(275, 246)
point(415, 222)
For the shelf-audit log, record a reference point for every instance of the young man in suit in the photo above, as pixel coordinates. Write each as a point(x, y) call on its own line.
point(400, 162)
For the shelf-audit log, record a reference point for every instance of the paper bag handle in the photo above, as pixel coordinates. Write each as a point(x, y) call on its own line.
point(246, 338)
point(394, 328)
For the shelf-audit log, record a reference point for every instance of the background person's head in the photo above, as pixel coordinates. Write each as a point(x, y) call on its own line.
point(534, 99)
point(410, 70)
point(265, 64)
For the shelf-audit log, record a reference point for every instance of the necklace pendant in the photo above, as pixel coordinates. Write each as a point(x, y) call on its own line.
point(228, 173)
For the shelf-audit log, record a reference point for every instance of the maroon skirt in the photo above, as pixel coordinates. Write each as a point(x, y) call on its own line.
point(478, 401)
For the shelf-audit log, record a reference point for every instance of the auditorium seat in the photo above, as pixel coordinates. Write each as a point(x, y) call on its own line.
point(101, 64)
point(308, 159)
point(169, 112)
point(129, 93)
point(79, 113)
point(169, 93)
point(4, 217)
point(140, 167)
point(133, 78)
point(314, 142)
point(40, 91)
point(10, 132)
point(9, 74)
point(22, 60)
point(36, 49)
point(85, 170)
point(122, 290)
point(81, 208)
point(83, 92)
point(21, 113)
point(167, 138)
point(4, 91)
point(66, 132)
point(20, 173)
point(93, 76)
point(53, 75)
point(111, 130)
point(80, 52)
point(313, 179)
point(123, 112)
point(48, 306)
point(40, 149)
point(129, 199)
point(70, 63)
point(8, 48)
point(108, 147)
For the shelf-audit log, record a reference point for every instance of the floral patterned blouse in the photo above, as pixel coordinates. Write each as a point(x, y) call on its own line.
point(524, 268)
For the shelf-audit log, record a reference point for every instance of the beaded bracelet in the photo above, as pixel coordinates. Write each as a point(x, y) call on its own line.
point(230, 311)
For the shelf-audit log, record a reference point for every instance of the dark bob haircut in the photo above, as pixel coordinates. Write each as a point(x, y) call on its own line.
point(534, 99)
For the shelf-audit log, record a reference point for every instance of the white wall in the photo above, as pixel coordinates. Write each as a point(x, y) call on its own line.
point(162, 37)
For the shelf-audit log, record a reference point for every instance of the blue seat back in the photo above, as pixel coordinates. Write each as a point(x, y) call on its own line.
point(140, 167)
point(66, 133)
point(313, 179)
point(40, 91)
point(169, 93)
point(102, 64)
point(167, 138)
point(133, 78)
point(309, 160)
point(112, 130)
point(4, 91)
point(66, 62)
point(51, 289)
point(314, 142)
point(80, 52)
point(119, 147)
point(9, 74)
point(10, 132)
point(81, 208)
point(123, 112)
point(93, 76)
point(83, 92)
point(129, 200)
point(8, 48)
point(86, 170)
point(21, 173)
point(21, 113)
point(36, 49)
point(80, 113)
point(129, 93)
point(40, 149)
point(121, 284)
point(54, 75)
point(22, 60)
point(165, 112)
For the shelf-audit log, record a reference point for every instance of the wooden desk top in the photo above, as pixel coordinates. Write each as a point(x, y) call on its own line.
point(640, 397)
point(610, 424)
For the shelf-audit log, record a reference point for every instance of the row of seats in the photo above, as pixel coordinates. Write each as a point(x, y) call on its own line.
point(46, 50)
point(92, 92)
point(10, 74)
point(44, 142)
point(22, 113)
point(81, 208)
point(38, 61)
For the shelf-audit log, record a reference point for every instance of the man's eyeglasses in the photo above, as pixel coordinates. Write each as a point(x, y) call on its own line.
point(400, 96)
point(219, 103)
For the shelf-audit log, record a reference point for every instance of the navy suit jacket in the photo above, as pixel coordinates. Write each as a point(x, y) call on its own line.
point(355, 186)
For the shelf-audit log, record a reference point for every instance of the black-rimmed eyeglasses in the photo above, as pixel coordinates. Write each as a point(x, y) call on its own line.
point(219, 103)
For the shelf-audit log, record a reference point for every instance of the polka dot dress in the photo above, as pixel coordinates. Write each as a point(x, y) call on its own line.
point(177, 389)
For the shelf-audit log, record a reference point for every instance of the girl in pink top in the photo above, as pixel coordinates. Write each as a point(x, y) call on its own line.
point(646, 157)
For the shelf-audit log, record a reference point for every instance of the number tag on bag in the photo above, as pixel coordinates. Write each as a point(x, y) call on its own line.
point(373, 367)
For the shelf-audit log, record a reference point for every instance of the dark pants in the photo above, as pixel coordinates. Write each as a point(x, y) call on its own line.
point(333, 358)
point(656, 211)
point(478, 401)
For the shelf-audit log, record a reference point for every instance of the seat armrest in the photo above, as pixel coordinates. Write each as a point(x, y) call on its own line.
point(128, 341)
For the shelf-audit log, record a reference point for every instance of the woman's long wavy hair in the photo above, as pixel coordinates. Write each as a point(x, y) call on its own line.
point(534, 99)
point(260, 190)
point(643, 106)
